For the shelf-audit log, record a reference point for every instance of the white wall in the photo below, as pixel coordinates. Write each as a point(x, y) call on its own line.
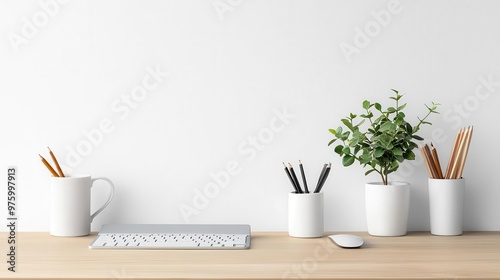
point(281, 72)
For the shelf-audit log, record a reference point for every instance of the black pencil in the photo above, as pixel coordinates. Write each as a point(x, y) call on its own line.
point(320, 177)
point(295, 178)
point(323, 180)
point(303, 177)
point(291, 180)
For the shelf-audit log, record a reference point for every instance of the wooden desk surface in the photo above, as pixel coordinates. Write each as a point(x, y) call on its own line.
point(474, 255)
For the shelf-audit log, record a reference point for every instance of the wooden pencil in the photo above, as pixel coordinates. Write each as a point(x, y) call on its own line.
point(453, 154)
point(465, 152)
point(431, 162)
point(435, 158)
point(426, 162)
point(59, 170)
point(459, 155)
point(54, 173)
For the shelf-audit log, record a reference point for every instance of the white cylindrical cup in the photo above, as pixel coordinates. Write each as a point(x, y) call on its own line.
point(446, 202)
point(305, 214)
point(70, 204)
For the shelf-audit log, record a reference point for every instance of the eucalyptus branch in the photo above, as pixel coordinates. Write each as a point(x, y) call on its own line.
point(432, 110)
point(384, 143)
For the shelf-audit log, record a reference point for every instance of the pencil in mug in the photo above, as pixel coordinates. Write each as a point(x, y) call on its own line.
point(432, 164)
point(323, 178)
point(54, 159)
point(291, 179)
point(457, 159)
point(454, 150)
point(426, 160)
point(294, 177)
point(54, 173)
point(461, 156)
point(435, 158)
point(306, 190)
point(49, 167)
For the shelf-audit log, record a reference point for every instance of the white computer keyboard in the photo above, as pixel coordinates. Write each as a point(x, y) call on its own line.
point(173, 237)
point(173, 241)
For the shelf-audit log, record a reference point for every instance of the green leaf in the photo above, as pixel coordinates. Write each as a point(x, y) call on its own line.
point(366, 104)
point(387, 126)
point(360, 123)
point(356, 149)
point(380, 119)
point(385, 141)
point(409, 129)
point(331, 142)
point(347, 160)
point(345, 135)
point(418, 137)
point(412, 145)
point(402, 107)
point(410, 155)
point(332, 131)
point(397, 151)
point(391, 109)
point(338, 150)
point(369, 171)
point(433, 109)
point(398, 96)
point(401, 116)
point(378, 106)
point(378, 153)
point(370, 115)
point(353, 142)
point(347, 123)
point(365, 156)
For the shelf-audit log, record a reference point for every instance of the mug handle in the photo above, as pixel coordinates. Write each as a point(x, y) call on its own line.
point(109, 199)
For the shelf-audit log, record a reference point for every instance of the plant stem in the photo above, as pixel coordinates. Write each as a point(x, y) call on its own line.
point(385, 177)
point(417, 127)
point(370, 118)
point(397, 106)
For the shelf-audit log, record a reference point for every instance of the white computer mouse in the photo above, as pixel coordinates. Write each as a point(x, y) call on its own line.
point(346, 240)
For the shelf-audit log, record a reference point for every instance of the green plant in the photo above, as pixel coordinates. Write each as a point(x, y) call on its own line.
point(382, 144)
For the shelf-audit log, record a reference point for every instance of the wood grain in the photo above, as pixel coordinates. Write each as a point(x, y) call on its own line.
point(419, 255)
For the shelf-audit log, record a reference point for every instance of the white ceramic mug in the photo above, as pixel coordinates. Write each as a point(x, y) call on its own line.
point(305, 214)
point(70, 204)
point(446, 202)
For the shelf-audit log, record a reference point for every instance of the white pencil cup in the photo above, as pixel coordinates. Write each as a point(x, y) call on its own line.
point(70, 204)
point(446, 202)
point(305, 214)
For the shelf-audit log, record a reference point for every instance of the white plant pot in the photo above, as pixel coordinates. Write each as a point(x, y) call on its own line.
point(387, 208)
